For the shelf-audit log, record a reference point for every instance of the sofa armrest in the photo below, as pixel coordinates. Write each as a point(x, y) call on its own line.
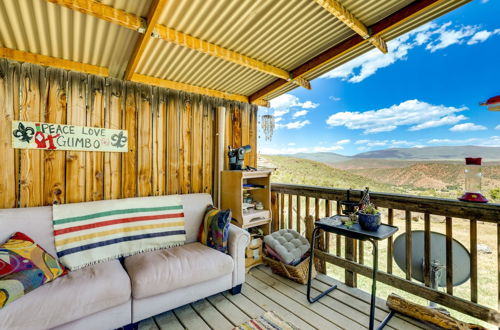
point(237, 243)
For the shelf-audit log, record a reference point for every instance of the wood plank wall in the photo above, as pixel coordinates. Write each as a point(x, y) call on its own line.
point(172, 138)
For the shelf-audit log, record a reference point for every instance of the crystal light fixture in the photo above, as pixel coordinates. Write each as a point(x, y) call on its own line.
point(268, 126)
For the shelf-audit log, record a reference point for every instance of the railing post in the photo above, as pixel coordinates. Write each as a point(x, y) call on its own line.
point(350, 254)
point(274, 212)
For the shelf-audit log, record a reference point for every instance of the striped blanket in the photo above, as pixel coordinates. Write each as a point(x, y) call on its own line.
point(93, 232)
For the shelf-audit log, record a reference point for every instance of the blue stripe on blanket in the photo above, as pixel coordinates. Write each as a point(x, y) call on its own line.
point(117, 240)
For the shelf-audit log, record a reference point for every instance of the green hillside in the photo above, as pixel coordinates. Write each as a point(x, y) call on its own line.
point(308, 172)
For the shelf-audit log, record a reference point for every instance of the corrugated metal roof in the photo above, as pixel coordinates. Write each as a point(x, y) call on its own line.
point(283, 33)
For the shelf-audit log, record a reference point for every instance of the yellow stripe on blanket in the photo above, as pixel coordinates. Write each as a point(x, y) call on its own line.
point(61, 242)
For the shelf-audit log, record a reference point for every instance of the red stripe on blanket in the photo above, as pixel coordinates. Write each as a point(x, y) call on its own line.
point(116, 221)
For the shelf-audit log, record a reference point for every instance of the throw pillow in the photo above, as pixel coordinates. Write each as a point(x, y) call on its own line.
point(25, 266)
point(214, 229)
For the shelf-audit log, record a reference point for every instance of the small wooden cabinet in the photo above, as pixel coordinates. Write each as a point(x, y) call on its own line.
point(258, 185)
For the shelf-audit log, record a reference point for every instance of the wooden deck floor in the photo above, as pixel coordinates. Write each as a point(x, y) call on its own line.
point(344, 308)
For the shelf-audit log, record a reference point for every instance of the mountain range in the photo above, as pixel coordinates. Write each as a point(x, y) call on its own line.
point(452, 153)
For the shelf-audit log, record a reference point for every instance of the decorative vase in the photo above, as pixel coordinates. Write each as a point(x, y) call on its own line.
point(369, 222)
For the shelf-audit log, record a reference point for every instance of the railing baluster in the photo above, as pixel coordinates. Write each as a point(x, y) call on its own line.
point(361, 253)
point(427, 249)
point(449, 256)
point(308, 206)
point(473, 260)
point(274, 211)
point(338, 243)
point(328, 213)
point(390, 221)
point(282, 211)
point(298, 213)
point(290, 211)
point(316, 209)
point(408, 244)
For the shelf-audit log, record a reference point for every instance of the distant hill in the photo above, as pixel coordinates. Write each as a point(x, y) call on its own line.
point(434, 153)
point(323, 157)
point(455, 153)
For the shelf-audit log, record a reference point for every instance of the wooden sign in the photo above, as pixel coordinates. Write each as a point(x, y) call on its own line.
point(29, 135)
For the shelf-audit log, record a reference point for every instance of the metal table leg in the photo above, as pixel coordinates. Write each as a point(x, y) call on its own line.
point(374, 283)
point(309, 276)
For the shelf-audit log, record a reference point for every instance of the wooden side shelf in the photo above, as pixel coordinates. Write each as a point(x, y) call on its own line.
point(232, 197)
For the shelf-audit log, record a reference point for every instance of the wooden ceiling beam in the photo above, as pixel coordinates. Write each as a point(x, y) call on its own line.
point(346, 17)
point(139, 78)
point(22, 56)
point(185, 40)
point(140, 46)
point(390, 22)
point(133, 22)
point(105, 12)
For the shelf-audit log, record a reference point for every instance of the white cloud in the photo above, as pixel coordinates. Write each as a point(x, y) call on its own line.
point(309, 105)
point(327, 149)
point(447, 120)
point(467, 127)
point(334, 98)
point(482, 36)
point(447, 37)
point(294, 124)
point(417, 113)
point(498, 127)
point(431, 36)
point(292, 144)
point(345, 141)
point(492, 141)
point(383, 143)
point(300, 113)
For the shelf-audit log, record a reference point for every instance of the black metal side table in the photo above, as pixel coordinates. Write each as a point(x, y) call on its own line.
point(355, 232)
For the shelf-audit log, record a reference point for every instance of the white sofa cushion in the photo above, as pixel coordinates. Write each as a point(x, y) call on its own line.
point(156, 272)
point(71, 297)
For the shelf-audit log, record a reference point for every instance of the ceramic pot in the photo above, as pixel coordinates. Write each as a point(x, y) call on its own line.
point(369, 222)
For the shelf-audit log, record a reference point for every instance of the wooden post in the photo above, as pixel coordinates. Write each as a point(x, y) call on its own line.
point(473, 260)
point(449, 256)
point(298, 213)
point(274, 212)
point(290, 211)
point(427, 249)
point(338, 243)
point(220, 150)
point(390, 221)
point(409, 245)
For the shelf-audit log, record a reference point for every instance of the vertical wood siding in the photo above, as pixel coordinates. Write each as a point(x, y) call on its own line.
point(172, 138)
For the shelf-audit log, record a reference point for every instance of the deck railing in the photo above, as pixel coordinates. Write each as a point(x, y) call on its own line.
point(297, 207)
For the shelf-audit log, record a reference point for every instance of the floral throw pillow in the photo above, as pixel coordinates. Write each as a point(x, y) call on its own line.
point(24, 266)
point(214, 229)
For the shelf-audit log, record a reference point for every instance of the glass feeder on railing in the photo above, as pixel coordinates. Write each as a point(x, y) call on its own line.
point(473, 178)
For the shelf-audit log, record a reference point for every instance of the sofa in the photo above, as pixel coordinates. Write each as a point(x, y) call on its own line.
point(116, 293)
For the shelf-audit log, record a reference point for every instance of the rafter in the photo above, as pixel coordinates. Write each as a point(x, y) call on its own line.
point(130, 21)
point(344, 15)
point(187, 88)
point(185, 40)
point(385, 24)
point(22, 56)
point(140, 46)
point(105, 12)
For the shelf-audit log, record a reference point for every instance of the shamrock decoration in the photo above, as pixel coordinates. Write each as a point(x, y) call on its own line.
point(24, 133)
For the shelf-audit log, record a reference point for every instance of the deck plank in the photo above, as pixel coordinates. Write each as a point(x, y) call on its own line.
point(307, 315)
point(334, 315)
point(246, 305)
point(397, 321)
point(168, 321)
point(211, 315)
point(190, 319)
point(230, 311)
point(269, 305)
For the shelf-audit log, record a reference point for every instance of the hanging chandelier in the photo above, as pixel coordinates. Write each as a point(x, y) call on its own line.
point(268, 125)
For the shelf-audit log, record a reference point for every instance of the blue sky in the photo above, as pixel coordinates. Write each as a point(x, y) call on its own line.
point(425, 92)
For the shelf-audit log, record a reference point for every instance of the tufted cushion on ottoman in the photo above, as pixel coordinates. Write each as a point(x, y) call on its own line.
point(288, 244)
